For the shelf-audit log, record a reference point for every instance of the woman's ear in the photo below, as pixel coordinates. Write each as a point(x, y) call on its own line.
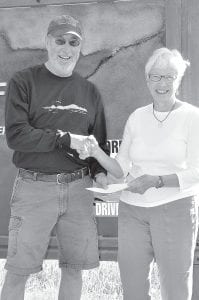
point(178, 85)
point(147, 79)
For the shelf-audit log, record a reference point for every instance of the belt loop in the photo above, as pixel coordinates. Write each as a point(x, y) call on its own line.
point(35, 176)
point(58, 178)
point(19, 171)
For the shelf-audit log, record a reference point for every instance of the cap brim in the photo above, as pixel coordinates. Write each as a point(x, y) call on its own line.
point(63, 31)
point(75, 33)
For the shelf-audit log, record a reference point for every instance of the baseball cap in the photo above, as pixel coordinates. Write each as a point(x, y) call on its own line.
point(64, 24)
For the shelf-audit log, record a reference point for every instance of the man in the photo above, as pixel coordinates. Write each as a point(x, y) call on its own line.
point(49, 112)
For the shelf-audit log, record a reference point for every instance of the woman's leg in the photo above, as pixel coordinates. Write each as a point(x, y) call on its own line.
point(174, 232)
point(135, 251)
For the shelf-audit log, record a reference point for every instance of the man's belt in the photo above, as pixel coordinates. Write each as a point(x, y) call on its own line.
point(59, 178)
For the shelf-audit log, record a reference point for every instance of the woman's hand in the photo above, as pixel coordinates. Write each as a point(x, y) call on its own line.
point(90, 147)
point(141, 184)
point(102, 180)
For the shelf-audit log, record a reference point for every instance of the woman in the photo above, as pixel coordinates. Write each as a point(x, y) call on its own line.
point(158, 213)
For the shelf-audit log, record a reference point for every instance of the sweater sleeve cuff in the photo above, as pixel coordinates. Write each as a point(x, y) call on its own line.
point(63, 141)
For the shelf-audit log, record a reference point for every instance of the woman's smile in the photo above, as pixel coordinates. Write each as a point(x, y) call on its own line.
point(161, 92)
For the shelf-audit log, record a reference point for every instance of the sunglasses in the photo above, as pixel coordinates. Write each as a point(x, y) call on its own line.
point(73, 42)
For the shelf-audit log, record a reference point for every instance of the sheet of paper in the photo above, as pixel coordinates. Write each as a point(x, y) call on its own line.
point(112, 188)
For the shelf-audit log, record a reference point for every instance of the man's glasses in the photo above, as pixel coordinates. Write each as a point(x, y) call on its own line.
point(156, 77)
point(73, 42)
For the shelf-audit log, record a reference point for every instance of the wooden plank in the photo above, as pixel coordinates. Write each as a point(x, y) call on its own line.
point(196, 258)
point(3, 241)
point(107, 255)
point(107, 242)
point(193, 49)
point(177, 37)
point(173, 24)
point(107, 248)
point(187, 84)
point(31, 3)
point(195, 295)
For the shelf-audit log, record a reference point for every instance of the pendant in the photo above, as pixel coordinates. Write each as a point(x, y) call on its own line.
point(160, 124)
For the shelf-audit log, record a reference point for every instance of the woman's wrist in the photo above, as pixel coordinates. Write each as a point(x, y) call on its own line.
point(96, 151)
point(159, 182)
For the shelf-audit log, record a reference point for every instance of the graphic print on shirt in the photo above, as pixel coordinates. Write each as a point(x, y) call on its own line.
point(71, 108)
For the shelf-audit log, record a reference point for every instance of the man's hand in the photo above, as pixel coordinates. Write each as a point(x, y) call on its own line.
point(61, 133)
point(77, 141)
point(141, 184)
point(102, 180)
point(88, 147)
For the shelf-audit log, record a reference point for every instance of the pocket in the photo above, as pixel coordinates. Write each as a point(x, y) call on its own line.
point(194, 215)
point(184, 210)
point(95, 230)
point(95, 222)
point(87, 181)
point(14, 227)
point(15, 189)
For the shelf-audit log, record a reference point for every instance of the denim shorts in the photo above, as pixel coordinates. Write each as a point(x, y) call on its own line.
point(37, 207)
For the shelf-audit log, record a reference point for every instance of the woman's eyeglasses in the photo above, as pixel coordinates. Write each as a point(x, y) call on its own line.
point(74, 42)
point(156, 77)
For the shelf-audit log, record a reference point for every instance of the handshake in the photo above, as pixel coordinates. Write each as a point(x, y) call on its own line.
point(86, 146)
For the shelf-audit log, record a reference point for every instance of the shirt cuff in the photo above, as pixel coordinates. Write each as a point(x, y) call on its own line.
point(188, 179)
point(63, 141)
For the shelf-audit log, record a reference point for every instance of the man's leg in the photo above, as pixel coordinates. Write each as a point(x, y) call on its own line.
point(77, 237)
point(71, 284)
point(33, 215)
point(14, 287)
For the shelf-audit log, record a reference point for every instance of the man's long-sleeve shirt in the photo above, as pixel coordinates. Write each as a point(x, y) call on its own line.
point(38, 104)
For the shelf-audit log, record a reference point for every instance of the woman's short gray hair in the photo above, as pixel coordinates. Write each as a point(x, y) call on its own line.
point(175, 56)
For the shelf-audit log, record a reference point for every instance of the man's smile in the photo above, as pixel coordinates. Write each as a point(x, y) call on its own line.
point(64, 57)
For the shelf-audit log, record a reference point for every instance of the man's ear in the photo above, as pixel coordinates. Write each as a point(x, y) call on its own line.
point(47, 41)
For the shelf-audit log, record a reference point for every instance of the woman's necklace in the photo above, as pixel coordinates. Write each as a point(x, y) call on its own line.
point(160, 122)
